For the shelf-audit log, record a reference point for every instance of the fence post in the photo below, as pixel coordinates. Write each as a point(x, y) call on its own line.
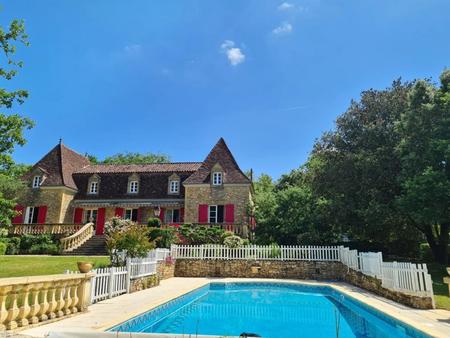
point(93, 285)
point(128, 276)
point(395, 273)
point(111, 282)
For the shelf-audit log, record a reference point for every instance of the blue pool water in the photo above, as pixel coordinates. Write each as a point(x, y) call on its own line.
point(271, 310)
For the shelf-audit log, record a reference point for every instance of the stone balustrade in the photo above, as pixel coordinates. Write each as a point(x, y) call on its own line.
point(26, 301)
point(75, 240)
point(37, 229)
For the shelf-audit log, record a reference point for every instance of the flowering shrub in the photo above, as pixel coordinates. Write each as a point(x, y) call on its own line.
point(233, 241)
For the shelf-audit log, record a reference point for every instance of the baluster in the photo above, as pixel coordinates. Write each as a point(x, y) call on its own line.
point(60, 298)
point(24, 309)
point(47, 310)
point(67, 297)
point(4, 292)
point(13, 311)
point(35, 307)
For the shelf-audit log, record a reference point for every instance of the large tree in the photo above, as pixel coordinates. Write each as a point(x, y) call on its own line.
point(12, 123)
point(424, 150)
point(136, 158)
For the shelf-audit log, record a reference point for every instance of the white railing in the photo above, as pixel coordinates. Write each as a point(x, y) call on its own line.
point(141, 267)
point(403, 277)
point(256, 252)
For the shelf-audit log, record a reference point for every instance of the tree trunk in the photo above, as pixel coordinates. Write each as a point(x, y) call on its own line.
point(439, 243)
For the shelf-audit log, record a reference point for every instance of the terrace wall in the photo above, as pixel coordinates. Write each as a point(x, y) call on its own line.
point(305, 270)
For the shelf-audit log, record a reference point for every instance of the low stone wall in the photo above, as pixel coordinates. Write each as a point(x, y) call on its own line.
point(294, 270)
point(165, 269)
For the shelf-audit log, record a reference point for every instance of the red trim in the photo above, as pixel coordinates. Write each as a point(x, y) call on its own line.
point(100, 227)
point(229, 213)
point(42, 213)
point(78, 216)
point(119, 212)
point(19, 217)
point(182, 215)
point(161, 215)
point(139, 216)
point(203, 213)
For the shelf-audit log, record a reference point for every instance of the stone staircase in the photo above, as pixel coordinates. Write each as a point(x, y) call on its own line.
point(94, 246)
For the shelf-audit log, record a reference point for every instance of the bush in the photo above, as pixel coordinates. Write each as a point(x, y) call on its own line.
point(154, 222)
point(163, 237)
point(275, 250)
point(44, 249)
point(2, 248)
point(197, 235)
point(12, 245)
point(233, 241)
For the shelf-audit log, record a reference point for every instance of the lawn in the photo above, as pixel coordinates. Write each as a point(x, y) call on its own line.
point(440, 289)
point(17, 266)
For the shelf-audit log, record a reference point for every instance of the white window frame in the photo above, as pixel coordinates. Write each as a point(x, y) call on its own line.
point(131, 213)
point(90, 211)
point(215, 213)
point(91, 185)
point(37, 181)
point(133, 187)
point(217, 178)
point(171, 220)
point(174, 186)
point(29, 213)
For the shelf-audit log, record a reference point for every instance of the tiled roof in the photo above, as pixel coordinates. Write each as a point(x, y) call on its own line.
point(221, 155)
point(186, 167)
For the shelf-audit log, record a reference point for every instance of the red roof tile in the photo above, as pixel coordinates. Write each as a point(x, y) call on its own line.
point(140, 168)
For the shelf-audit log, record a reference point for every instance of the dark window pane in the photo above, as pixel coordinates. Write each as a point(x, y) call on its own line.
point(176, 215)
point(35, 215)
point(134, 215)
point(220, 214)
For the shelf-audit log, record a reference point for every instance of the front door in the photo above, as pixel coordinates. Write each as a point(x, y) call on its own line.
point(100, 225)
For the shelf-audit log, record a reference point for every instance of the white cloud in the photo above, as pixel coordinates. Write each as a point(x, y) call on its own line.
point(285, 6)
point(234, 54)
point(284, 28)
point(133, 49)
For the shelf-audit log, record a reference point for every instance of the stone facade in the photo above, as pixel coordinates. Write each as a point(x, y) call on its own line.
point(237, 194)
point(164, 270)
point(294, 270)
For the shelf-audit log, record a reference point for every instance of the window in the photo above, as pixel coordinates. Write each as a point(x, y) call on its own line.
point(131, 214)
point(37, 180)
point(93, 188)
point(174, 187)
point(133, 187)
point(172, 216)
point(31, 215)
point(217, 178)
point(216, 213)
point(90, 216)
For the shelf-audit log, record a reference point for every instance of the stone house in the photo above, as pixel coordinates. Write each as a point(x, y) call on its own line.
point(64, 187)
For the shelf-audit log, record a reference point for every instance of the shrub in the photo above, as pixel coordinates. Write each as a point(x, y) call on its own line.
point(163, 237)
point(233, 241)
point(154, 222)
point(2, 248)
point(197, 235)
point(13, 245)
point(41, 241)
point(127, 237)
point(275, 250)
point(44, 249)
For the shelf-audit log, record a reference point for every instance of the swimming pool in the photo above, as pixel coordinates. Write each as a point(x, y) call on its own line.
point(272, 310)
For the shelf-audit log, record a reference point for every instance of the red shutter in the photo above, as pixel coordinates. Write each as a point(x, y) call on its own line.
point(119, 212)
point(203, 213)
point(78, 216)
point(139, 216)
point(181, 215)
point(42, 213)
point(19, 218)
point(100, 226)
point(229, 213)
point(161, 215)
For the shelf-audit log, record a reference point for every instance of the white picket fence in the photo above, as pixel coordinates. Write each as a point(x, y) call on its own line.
point(403, 277)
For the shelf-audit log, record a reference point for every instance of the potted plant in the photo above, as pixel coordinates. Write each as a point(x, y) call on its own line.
point(84, 267)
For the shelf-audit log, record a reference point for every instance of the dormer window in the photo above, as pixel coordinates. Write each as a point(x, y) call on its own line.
point(37, 180)
point(93, 188)
point(174, 187)
point(133, 187)
point(217, 178)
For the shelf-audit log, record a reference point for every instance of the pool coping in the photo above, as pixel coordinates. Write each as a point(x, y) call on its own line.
point(431, 322)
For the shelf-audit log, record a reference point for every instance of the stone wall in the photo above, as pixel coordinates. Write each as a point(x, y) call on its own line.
point(237, 194)
point(294, 270)
point(165, 270)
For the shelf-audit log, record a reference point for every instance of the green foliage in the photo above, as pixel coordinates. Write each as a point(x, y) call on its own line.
point(136, 158)
point(275, 250)
point(38, 244)
point(125, 236)
point(2, 248)
point(12, 125)
point(163, 237)
point(44, 248)
point(12, 244)
point(154, 222)
point(233, 241)
point(196, 235)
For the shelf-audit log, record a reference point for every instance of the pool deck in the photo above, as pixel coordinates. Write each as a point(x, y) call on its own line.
point(110, 312)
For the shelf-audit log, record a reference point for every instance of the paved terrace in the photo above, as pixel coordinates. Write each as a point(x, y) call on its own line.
point(108, 313)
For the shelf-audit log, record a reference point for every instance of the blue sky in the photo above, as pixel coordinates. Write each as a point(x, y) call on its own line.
point(173, 76)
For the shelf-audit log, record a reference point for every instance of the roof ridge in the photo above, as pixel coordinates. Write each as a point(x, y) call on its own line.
point(165, 163)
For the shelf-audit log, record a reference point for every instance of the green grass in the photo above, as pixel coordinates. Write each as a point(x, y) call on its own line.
point(440, 289)
point(18, 266)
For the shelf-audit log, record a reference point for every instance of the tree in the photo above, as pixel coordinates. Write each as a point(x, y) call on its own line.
point(12, 124)
point(136, 158)
point(425, 159)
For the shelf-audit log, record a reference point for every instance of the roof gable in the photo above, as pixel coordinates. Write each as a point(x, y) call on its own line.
point(221, 155)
